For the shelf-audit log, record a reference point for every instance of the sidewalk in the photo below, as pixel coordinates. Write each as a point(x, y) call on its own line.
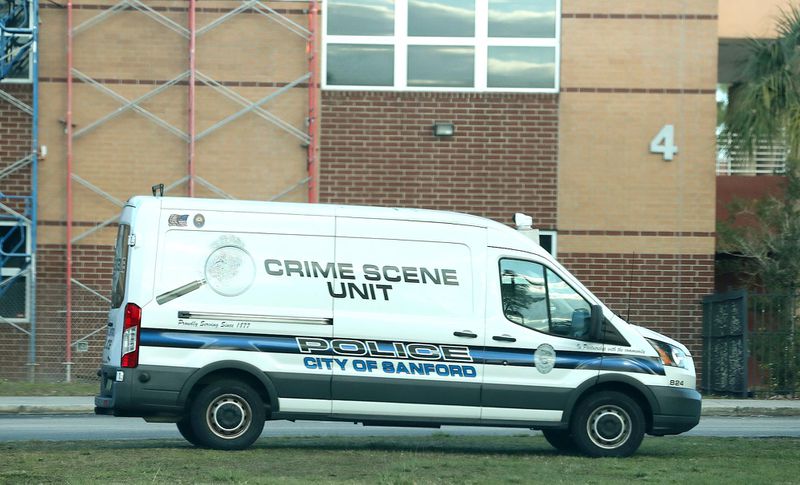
point(85, 405)
point(47, 405)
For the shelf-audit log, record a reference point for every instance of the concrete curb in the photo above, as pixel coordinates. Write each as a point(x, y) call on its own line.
point(751, 411)
point(43, 409)
point(46, 404)
point(751, 407)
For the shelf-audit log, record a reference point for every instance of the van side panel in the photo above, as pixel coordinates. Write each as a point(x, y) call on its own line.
point(238, 286)
point(416, 301)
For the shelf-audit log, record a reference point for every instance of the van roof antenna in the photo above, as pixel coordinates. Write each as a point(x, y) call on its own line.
point(158, 190)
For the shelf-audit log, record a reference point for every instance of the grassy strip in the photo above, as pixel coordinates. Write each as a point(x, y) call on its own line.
point(19, 388)
point(437, 459)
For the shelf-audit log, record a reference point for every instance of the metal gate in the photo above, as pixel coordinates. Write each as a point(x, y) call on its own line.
point(725, 350)
point(751, 344)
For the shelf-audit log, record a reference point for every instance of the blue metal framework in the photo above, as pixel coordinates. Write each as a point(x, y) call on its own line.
point(19, 40)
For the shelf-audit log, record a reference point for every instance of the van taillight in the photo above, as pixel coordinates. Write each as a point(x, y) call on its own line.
point(130, 335)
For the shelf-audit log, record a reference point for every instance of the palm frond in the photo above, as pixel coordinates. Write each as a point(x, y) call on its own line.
point(765, 105)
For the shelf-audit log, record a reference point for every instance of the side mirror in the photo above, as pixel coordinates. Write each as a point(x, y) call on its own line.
point(596, 326)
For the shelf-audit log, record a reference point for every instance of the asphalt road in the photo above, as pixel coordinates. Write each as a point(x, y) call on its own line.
point(68, 428)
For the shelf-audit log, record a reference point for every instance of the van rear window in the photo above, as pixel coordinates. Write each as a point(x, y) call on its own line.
point(120, 266)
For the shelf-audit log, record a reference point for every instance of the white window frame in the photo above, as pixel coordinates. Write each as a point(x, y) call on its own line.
point(400, 40)
point(29, 37)
point(29, 78)
point(10, 272)
point(553, 241)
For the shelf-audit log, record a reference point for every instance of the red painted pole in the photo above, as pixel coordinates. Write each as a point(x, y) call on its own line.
point(311, 54)
point(68, 362)
point(192, 81)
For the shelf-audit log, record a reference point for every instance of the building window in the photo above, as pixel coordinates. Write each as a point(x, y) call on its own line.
point(14, 272)
point(16, 41)
point(548, 240)
point(442, 45)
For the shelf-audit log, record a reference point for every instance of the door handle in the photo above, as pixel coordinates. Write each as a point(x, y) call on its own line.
point(504, 338)
point(465, 333)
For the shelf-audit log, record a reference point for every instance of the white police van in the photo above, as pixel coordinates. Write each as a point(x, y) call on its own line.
point(226, 313)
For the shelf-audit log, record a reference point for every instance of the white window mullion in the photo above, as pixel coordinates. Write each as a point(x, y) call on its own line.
point(401, 44)
point(557, 40)
point(465, 41)
point(323, 64)
point(481, 43)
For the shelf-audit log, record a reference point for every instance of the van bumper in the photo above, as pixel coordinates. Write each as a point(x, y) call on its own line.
point(147, 391)
point(678, 410)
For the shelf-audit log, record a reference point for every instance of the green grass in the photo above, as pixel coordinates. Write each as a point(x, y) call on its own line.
point(20, 388)
point(436, 459)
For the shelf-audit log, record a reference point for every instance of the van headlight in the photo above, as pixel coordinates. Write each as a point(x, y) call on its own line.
point(670, 355)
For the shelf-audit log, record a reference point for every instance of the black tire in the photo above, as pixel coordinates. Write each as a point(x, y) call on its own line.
point(559, 439)
point(227, 415)
point(608, 424)
point(186, 430)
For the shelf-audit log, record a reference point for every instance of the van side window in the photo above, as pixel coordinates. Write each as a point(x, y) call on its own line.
point(120, 266)
point(536, 297)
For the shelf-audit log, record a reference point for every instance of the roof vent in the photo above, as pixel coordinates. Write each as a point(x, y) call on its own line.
point(524, 224)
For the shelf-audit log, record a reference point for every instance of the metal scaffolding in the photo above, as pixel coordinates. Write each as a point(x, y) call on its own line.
point(191, 78)
point(19, 62)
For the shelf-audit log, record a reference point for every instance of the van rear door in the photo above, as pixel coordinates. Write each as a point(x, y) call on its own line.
point(113, 348)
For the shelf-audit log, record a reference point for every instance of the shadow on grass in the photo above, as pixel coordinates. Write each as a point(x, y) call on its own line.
point(439, 444)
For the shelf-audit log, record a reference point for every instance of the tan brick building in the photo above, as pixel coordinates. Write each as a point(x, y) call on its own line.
point(554, 103)
point(639, 229)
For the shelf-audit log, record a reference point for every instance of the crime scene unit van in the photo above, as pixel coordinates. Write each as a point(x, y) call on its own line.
point(225, 314)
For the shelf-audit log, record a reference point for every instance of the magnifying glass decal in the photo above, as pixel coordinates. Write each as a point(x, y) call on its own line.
point(229, 271)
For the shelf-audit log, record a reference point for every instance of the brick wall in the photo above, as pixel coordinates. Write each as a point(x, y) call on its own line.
point(663, 291)
point(15, 143)
point(378, 149)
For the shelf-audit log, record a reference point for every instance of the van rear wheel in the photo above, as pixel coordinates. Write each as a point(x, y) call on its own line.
point(608, 424)
point(186, 430)
point(227, 415)
point(560, 439)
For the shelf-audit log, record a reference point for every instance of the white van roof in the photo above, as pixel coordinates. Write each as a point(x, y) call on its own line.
point(499, 234)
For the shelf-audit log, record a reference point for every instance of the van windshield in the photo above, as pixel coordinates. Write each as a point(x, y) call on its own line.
point(120, 266)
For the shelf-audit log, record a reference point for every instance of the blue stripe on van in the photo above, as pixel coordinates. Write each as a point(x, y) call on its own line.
point(636, 364)
point(218, 341)
point(571, 360)
point(480, 355)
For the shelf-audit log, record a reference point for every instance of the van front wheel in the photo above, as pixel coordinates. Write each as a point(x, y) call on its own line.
point(608, 423)
point(227, 415)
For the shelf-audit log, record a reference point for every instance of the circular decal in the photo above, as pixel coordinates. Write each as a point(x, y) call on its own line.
point(230, 270)
point(544, 358)
point(199, 221)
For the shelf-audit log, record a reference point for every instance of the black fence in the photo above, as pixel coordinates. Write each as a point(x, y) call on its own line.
point(751, 344)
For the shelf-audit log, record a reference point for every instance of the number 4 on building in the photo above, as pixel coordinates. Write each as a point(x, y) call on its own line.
point(664, 142)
